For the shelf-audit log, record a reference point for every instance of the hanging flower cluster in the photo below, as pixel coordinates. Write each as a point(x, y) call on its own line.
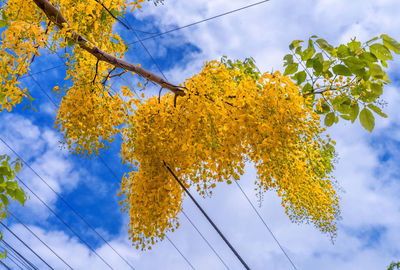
point(225, 119)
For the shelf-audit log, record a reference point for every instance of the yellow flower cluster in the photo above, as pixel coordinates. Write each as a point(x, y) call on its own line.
point(19, 42)
point(89, 115)
point(89, 118)
point(225, 119)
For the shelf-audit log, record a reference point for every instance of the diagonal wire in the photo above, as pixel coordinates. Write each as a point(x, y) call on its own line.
point(62, 220)
point(265, 224)
point(3, 264)
point(59, 196)
point(11, 255)
point(177, 249)
point(208, 218)
point(205, 240)
point(198, 22)
point(15, 260)
point(26, 245)
point(37, 237)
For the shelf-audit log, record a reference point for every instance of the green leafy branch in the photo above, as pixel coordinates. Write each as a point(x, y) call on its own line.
point(9, 188)
point(393, 265)
point(346, 78)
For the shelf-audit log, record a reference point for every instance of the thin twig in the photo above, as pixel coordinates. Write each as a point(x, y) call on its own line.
point(97, 67)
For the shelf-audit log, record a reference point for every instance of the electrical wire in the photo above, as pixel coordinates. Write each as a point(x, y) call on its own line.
point(3, 264)
point(70, 207)
point(26, 245)
point(63, 221)
point(205, 240)
point(198, 22)
point(208, 218)
point(37, 237)
point(265, 224)
point(177, 249)
point(12, 254)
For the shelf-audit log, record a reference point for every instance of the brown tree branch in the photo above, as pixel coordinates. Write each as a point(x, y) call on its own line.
point(58, 19)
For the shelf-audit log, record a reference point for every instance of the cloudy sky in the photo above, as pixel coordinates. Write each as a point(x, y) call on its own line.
point(368, 169)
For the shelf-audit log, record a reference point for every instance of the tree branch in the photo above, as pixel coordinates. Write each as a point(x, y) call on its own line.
point(58, 19)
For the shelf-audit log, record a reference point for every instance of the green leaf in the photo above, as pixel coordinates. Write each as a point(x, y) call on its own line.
point(343, 51)
point(377, 110)
point(341, 70)
point(3, 23)
point(20, 196)
point(354, 63)
point(376, 71)
point(326, 65)
point(3, 255)
point(307, 88)
point(371, 40)
point(324, 44)
point(368, 57)
point(354, 110)
point(354, 45)
point(17, 167)
point(294, 44)
point(290, 69)
point(4, 199)
point(325, 108)
point(377, 89)
point(12, 185)
point(391, 44)
point(329, 119)
point(318, 63)
point(344, 107)
point(309, 63)
point(300, 77)
point(367, 119)
point(345, 117)
point(288, 59)
point(380, 51)
point(307, 54)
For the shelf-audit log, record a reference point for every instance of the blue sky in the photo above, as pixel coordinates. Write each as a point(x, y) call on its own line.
point(368, 168)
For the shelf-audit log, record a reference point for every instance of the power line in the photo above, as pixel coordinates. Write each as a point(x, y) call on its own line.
point(3, 264)
point(17, 262)
point(26, 245)
point(37, 237)
point(11, 252)
point(208, 218)
point(62, 220)
point(164, 33)
point(265, 224)
point(177, 249)
point(71, 208)
point(41, 71)
point(205, 240)
point(59, 196)
point(198, 22)
point(120, 21)
point(11, 255)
